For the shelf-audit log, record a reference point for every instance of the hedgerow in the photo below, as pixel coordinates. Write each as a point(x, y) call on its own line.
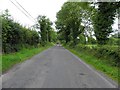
point(15, 36)
point(108, 53)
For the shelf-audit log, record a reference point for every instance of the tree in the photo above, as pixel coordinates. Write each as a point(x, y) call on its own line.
point(45, 26)
point(49, 29)
point(53, 36)
point(69, 20)
point(103, 19)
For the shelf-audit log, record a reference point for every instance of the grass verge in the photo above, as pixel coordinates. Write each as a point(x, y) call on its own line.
point(101, 65)
point(0, 64)
point(9, 60)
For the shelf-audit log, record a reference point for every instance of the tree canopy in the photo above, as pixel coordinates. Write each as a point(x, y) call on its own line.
point(85, 19)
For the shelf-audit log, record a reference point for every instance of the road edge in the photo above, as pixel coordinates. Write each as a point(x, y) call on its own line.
point(100, 74)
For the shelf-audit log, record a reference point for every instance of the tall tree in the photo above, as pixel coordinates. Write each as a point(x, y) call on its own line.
point(103, 19)
point(45, 26)
point(69, 20)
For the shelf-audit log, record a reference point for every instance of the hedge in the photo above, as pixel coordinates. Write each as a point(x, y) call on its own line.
point(108, 53)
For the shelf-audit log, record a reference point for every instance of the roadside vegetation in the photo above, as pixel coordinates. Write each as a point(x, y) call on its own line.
point(86, 30)
point(9, 60)
point(104, 61)
point(20, 43)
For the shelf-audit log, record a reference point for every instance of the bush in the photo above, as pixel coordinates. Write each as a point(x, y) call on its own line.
point(108, 53)
point(15, 36)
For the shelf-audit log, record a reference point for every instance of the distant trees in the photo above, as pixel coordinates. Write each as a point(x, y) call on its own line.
point(53, 36)
point(46, 32)
point(15, 36)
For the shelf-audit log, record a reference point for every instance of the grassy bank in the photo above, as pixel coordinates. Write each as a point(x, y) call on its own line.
point(9, 60)
point(99, 64)
point(0, 63)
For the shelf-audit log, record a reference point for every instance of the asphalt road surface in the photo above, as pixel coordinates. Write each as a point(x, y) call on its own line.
point(55, 68)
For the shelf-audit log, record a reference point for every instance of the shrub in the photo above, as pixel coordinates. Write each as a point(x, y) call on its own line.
point(14, 36)
point(108, 53)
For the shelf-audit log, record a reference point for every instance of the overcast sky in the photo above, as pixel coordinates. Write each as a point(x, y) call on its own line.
point(34, 7)
point(48, 8)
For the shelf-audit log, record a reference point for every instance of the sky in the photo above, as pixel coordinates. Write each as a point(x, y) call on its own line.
point(48, 8)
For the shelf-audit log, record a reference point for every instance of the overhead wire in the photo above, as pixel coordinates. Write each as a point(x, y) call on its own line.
point(24, 9)
point(27, 15)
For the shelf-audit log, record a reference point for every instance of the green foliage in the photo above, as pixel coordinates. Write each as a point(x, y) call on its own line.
point(82, 39)
point(69, 21)
point(9, 60)
point(113, 41)
point(108, 53)
point(46, 31)
point(97, 21)
point(101, 65)
point(104, 58)
point(103, 18)
point(91, 40)
point(15, 36)
point(53, 35)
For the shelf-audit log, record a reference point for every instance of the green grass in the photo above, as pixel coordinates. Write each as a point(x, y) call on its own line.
point(0, 63)
point(98, 64)
point(9, 60)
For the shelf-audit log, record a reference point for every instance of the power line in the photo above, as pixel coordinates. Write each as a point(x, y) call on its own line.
point(24, 9)
point(21, 10)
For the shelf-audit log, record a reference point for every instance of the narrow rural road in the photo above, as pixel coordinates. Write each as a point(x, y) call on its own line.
point(55, 68)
